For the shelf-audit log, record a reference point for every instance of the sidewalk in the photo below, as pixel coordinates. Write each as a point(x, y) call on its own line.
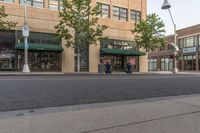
point(91, 73)
point(160, 115)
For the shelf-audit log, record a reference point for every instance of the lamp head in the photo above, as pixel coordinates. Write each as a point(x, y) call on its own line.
point(166, 5)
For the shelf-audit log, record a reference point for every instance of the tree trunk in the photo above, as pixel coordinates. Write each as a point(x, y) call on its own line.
point(149, 62)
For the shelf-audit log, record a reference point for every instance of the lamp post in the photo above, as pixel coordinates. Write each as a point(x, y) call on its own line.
point(25, 32)
point(167, 6)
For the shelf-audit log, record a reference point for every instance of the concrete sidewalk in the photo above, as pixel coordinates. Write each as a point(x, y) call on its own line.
point(92, 73)
point(161, 115)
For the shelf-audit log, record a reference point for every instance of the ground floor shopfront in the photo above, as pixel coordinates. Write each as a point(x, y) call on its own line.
point(119, 53)
point(46, 53)
point(187, 60)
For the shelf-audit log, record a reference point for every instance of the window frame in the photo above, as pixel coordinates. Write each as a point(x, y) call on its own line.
point(134, 15)
point(119, 16)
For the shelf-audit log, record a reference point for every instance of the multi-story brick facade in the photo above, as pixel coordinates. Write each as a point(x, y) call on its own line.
point(46, 53)
point(188, 41)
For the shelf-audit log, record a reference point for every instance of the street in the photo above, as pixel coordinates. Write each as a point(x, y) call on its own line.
point(27, 92)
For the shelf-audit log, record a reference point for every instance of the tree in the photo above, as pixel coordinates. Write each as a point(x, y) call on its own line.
point(79, 16)
point(149, 33)
point(5, 25)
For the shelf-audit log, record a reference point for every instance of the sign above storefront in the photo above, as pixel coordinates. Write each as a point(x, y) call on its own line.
point(189, 50)
point(119, 44)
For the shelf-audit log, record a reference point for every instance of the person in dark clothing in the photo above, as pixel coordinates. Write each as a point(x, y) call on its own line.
point(129, 68)
point(108, 67)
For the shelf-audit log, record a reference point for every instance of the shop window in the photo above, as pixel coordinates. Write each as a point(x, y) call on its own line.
point(135, 15)
point(120, 13)
point(199, 39)
point(152, 64)
point(7, 50)
point(33, 3)
point(189, 62)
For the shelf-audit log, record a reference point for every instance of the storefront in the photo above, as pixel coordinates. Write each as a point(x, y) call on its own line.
point(119, 53)
point(44, 52)
point(41, 57)
point(188, 59)
point(166, 63)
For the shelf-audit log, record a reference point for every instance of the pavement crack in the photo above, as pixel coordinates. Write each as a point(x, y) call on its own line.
point(140, 122)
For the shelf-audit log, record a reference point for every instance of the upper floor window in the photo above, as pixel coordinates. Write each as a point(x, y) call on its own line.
point(34, 3)
point(105, 10)
point(135, 15)
point(55, 5)
point(189, 42)
point(10, 1)
point(120, 13)
point(199, 39)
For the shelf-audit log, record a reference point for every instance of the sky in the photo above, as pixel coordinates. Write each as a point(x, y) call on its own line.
point(185, 13)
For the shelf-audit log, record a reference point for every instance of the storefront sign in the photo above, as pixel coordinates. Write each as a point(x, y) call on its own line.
point(121, 43)
point(189, 50)
point(111, 43)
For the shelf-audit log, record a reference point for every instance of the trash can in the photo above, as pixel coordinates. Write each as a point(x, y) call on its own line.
point(101, 68)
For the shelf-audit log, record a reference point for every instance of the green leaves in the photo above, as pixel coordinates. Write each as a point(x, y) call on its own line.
point(79, 24)
point(5, 25)
point(149, 33)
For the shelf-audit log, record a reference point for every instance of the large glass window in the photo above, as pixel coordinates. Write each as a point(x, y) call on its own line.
point(7, 51)
point(190, 62)
point(36, 37)
point(10, 1)
point(189, 42)
point(152, 64)
point(135, 15)
point(40, 61)
point(199, 39)
point(166, 64)
point(55, 5)
point(34, 3)
point(120, 13)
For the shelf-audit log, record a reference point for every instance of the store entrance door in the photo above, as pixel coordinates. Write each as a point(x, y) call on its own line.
point(118, 63)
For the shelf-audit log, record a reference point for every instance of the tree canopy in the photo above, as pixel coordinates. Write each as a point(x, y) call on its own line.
point(149, 33)
point(79, 23)
point(4, 24)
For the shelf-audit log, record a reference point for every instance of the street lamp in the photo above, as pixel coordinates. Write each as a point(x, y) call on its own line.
point(25, 32)
point(165, 6)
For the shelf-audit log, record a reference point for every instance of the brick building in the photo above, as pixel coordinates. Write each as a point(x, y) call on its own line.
point(46, 53)
point(188, 41)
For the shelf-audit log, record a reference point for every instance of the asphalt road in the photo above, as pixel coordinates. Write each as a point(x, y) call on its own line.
point(27, 92)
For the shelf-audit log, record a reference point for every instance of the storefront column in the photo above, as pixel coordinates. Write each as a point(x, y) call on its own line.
point(67, 58)
point(143, 62)
point(158, 62)
point(94, 57)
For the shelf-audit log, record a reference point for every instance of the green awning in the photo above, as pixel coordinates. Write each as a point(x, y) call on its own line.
point(128, 52)
point(40, 47)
